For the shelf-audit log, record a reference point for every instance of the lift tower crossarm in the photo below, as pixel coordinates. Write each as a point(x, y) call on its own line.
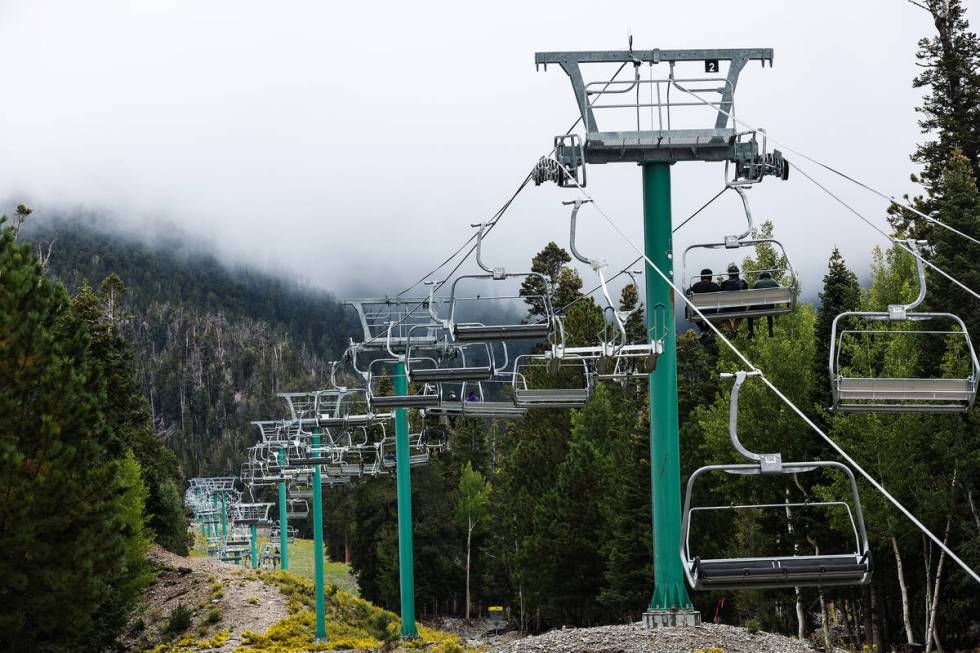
point(656, 143)
point(655, 56)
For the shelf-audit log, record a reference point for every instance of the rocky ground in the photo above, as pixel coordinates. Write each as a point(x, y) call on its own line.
point(634, 638)
point(218, 595)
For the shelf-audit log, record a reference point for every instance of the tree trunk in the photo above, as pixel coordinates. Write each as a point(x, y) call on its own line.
point(800, 611)
point(927, 561)
point(876, 639)
point(520, 594)
point(800, 616)
point(867, 614)
point(973, 509)
point(931, 632)
point(826, 623)
point(906, 615)
point(469, 539)
point(845, 617)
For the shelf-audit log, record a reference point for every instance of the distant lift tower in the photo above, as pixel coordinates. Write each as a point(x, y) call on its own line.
point(656, 119)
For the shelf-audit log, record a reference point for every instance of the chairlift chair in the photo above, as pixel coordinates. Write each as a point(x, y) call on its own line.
point(297, 509)
point(452, 366)
point(615, 355)
point(426, 397)
point(490, 401)
point(418, 451)
point(352, 409)
point(466, 332)
point(889, 394)
point(846, 568)
point(251, 513)
point(754, 302)
point(532, 365)
point(385, 322)
point(361, 459)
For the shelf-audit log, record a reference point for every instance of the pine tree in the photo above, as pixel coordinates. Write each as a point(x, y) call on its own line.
point(840, 293)
point(569, 521)
point(71, 521)
point(550, 263)
point(627, 547)
point(957, 203)
point(636, 331)
point(950, 63)
point(102, 314)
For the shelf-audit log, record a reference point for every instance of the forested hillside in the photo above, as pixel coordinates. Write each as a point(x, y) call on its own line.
point(215, 344)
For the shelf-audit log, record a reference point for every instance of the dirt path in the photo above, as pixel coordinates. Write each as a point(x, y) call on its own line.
point(218, 595)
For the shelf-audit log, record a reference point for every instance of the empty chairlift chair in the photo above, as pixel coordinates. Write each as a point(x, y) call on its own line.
point(851, 567)
point(297, 509)
point(549, 327)
point(568, 387)
point(425, 396)
point(852, 393)
point(350, 410)
point(451, 364)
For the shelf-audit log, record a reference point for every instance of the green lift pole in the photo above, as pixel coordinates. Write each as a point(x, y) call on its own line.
point(406, 565)
point(669, 592)
point(321, 621)
point(213, 523)
point(255, 546)
point(283, 534)
point(224, 519)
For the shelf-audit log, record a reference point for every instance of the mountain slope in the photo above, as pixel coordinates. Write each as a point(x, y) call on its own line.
point(214, 345)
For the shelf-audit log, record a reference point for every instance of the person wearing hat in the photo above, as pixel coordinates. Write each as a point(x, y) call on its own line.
point(706, 284)
point(733, 282)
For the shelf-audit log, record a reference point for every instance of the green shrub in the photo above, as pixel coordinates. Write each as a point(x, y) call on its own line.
point(753, 625)
point(381, 626)
point(179, 619)
point(214, 615)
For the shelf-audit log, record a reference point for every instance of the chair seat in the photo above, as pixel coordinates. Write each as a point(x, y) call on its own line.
point(884, 389)
point(481, 332)
point(551, 397)
point(449, 374)
point(815, 571)
point(734, 304)
point(405, 401)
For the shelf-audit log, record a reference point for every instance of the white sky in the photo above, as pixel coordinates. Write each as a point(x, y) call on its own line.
point(352, 144)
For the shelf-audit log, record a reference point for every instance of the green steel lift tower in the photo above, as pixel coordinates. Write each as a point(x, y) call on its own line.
point(655, 121)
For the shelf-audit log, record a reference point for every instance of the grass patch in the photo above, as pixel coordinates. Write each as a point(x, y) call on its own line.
point(352, 623)
point(334, 573)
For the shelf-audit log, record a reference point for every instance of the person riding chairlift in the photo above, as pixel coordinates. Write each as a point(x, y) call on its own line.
point(706, 284)
point(765, 281)
point(733, 282)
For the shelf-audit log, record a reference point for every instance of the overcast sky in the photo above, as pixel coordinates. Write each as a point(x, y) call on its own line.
point(352, 144)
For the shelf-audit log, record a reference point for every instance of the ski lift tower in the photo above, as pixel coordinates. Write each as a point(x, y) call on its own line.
point(387, 325)
point(655, 120)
